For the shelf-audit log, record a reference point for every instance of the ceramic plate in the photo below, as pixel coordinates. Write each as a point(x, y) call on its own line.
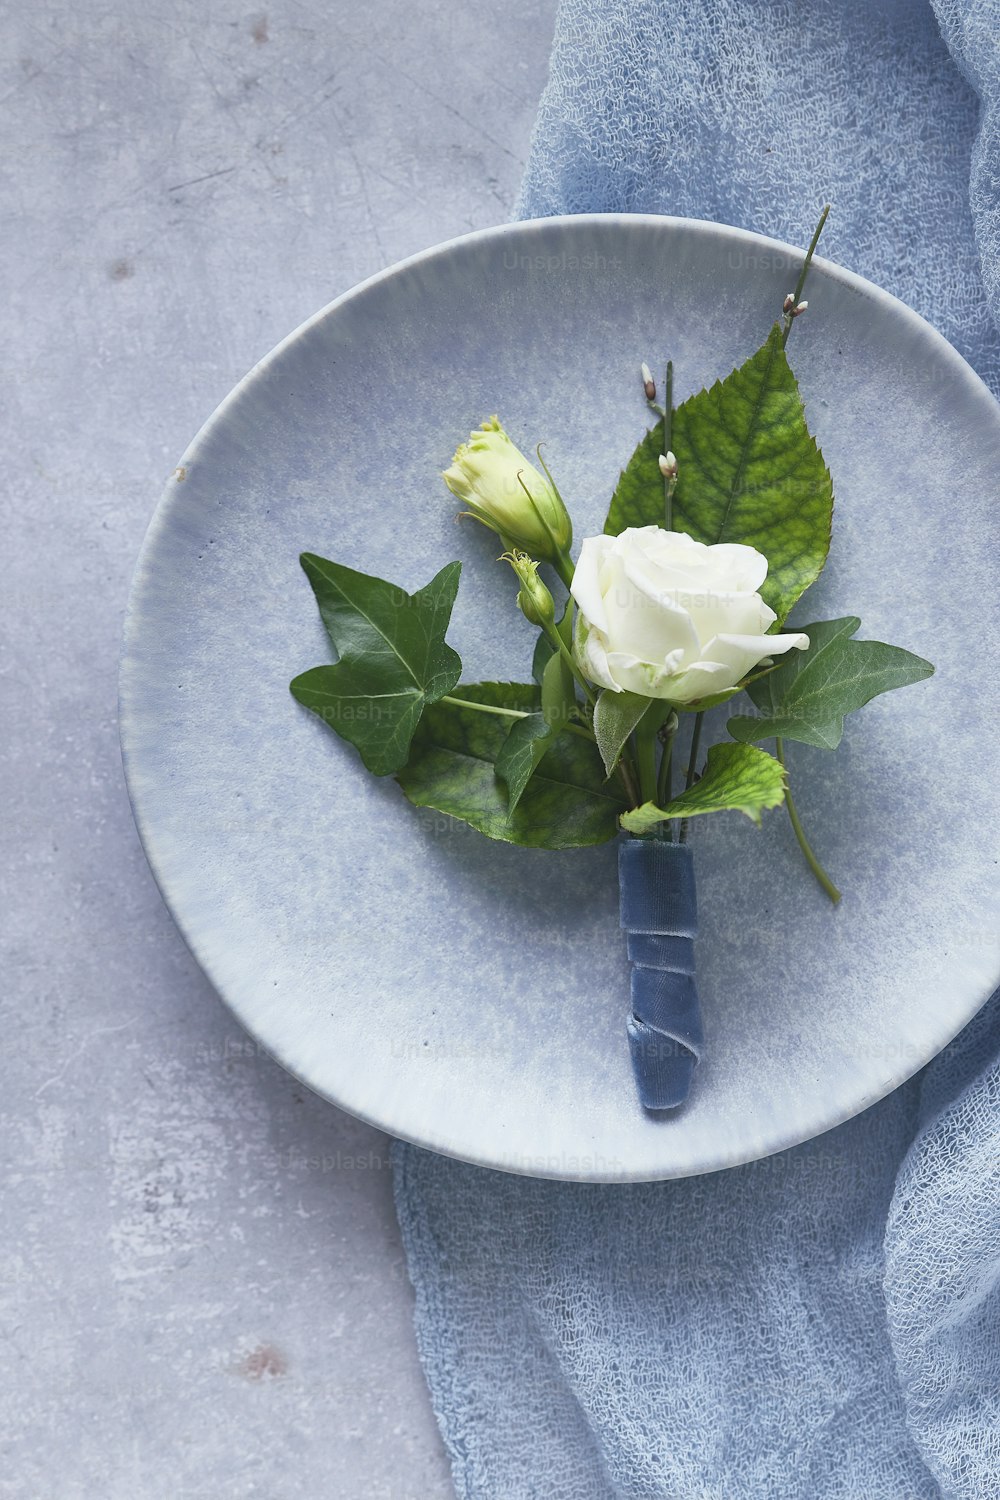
point(471, 996)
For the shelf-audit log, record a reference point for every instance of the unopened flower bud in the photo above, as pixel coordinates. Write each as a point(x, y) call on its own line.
point(799, 309)
point(648, 383)
point(533, 599)
point(788, 306)
point(668, 465)
point(508, 494)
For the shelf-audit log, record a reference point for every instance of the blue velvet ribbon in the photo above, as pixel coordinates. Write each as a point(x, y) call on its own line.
point(659, 913)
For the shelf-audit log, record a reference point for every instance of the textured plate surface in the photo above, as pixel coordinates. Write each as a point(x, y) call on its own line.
point(471, 996)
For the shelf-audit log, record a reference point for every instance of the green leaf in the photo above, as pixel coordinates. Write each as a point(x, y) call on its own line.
point(558, 692)
point(542, 655)
point(520, 753)
point(615, 717)
point(393, 658)
point(749, 471)
point(567, 802)
point(736, 777)
point(806, 697)
point(559, 703)
point(529, 738)
point(545, 650)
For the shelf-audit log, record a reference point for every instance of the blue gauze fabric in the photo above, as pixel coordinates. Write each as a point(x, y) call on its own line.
point(824, 1323)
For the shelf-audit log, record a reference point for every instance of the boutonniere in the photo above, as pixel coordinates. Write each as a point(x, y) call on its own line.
point(719, 523)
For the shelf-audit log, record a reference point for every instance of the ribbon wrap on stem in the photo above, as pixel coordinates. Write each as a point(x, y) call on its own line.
point(659, 914)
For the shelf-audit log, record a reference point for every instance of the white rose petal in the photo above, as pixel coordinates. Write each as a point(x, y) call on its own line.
point(668, 617)
point(586, 580)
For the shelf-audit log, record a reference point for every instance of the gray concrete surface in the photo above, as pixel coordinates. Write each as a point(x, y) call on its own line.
point(202, 1291)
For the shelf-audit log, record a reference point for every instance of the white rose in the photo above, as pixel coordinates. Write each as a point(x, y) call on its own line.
point(667, 617)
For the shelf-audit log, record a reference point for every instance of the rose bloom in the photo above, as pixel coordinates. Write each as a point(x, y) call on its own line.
point(668, 617)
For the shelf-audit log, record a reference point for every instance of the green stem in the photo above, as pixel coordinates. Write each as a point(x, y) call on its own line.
point(485, 708)
point(800, 284)
point(811, 860)
point(669, 485)
point(692, 768)
point(565, 568)
point(645, 744)
point(509, 713)
point(663, 780)
point(628, 782)
point(553, 633)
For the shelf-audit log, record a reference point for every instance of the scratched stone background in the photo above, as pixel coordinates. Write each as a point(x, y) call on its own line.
point(202, 1290)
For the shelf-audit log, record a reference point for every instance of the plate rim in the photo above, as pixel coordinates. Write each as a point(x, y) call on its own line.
point(518, 229)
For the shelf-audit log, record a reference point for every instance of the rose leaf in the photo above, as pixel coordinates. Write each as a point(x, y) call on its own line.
point(749, 471)
point(737, 777)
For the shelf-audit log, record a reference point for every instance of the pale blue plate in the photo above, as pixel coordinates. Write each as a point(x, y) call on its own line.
point(411, 970)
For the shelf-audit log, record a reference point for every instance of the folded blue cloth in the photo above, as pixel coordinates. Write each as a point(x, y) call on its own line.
point(824, 1323)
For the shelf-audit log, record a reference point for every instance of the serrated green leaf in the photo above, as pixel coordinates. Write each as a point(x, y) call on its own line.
point(749, 471)
point(806, 699)
point(737, 777)
point(567, 802)
point(615, 717)
point(393, 658)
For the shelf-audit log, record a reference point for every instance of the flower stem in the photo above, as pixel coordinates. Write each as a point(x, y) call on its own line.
point(628, 782)
point(485, 708)
point(658, 721)
point(692, 768)
point(509, 713)
point(669, 485)
point(800, 284)
point(554, 635)
point(811, 860)
point(564, 567)
point(645, 744)
point(663, 780)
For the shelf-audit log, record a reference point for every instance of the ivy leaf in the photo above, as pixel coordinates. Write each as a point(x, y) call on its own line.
point(393, 658)
point(806, 699)
point(615, 717)
point(566, 803)
point(736, 777)
point(749, 471)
